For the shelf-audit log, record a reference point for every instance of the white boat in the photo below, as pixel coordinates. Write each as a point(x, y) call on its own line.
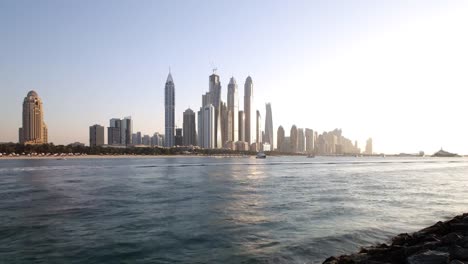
point(261, 155)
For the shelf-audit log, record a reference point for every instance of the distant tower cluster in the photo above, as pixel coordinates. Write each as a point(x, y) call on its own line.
point(34, 130)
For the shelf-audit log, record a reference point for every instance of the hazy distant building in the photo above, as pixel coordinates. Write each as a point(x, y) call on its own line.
point(178, 137)
point(269, 138)
point(157, 140)
point(189, 132)
point(146, 140)
point(310, 141)
point(241, 126)
point(293, 139)
point(96, 135)
point(233, 109)
point(169, 108)
point(300, 140)
point(280, 140)
point(34, 130)
point(369, 150)
point(249, 124)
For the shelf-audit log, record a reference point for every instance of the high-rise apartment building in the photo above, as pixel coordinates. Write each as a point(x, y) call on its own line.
point(369, 150)
point(300, 140)
point(269, 127)
point(241, 126)
point(189, 132)
point(34, 130)
point(126, 131)
point(169, 107)
point(233, 109)
point(113, 132)
point(178, 137)
point(119, 131)
point(206, 127)
point(96, 135)
point(280, 145)
point(293, 139)
point(249, 125)
point(258, 129)
point(310, 142)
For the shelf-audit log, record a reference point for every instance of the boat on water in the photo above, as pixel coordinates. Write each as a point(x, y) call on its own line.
point(261, 155)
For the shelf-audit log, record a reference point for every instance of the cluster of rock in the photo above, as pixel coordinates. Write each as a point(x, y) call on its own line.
point(444, 242)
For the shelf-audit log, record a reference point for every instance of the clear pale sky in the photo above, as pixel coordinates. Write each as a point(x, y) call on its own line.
point(396, 71)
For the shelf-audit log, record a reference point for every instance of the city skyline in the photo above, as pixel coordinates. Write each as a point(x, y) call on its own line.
point(372, 80)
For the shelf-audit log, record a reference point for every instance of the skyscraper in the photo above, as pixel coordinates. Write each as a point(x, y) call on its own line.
point(241, 126)
point(113, 132)
point(280, 145)
point(369, 150)
point(169, 107)
point(215, 100)
point(269, 127)
point(293, 139)
point(233, 109)
point(206, 127)
point(258, 128)
point(126, 131)
point(178, 137)
point(34, 130)
point(96, 135)
point(189, 132)
point(310, 142)
point(300, 140)
point(249, 113)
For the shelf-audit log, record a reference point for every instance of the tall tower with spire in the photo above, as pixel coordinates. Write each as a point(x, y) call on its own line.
point(249, 113)
point(169, 107)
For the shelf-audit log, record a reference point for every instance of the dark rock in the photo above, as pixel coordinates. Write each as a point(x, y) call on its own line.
point(429, 257)
point(451, 238)
point(456, 261)
point(401, 239)
point(457, 252)
point(459, 227)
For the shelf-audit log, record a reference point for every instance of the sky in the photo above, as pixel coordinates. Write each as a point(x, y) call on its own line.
point(391, 70)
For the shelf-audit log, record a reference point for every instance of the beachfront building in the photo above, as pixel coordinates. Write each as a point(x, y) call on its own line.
point(34, 130)
point(96, 135)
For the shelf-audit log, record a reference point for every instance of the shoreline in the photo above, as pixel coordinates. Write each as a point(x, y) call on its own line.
point(443, 242)
point(118, 157)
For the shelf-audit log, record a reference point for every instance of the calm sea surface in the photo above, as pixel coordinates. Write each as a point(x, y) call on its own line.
point(218, 210)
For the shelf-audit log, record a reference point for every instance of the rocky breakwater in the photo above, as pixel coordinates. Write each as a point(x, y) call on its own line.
point(444, 242)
